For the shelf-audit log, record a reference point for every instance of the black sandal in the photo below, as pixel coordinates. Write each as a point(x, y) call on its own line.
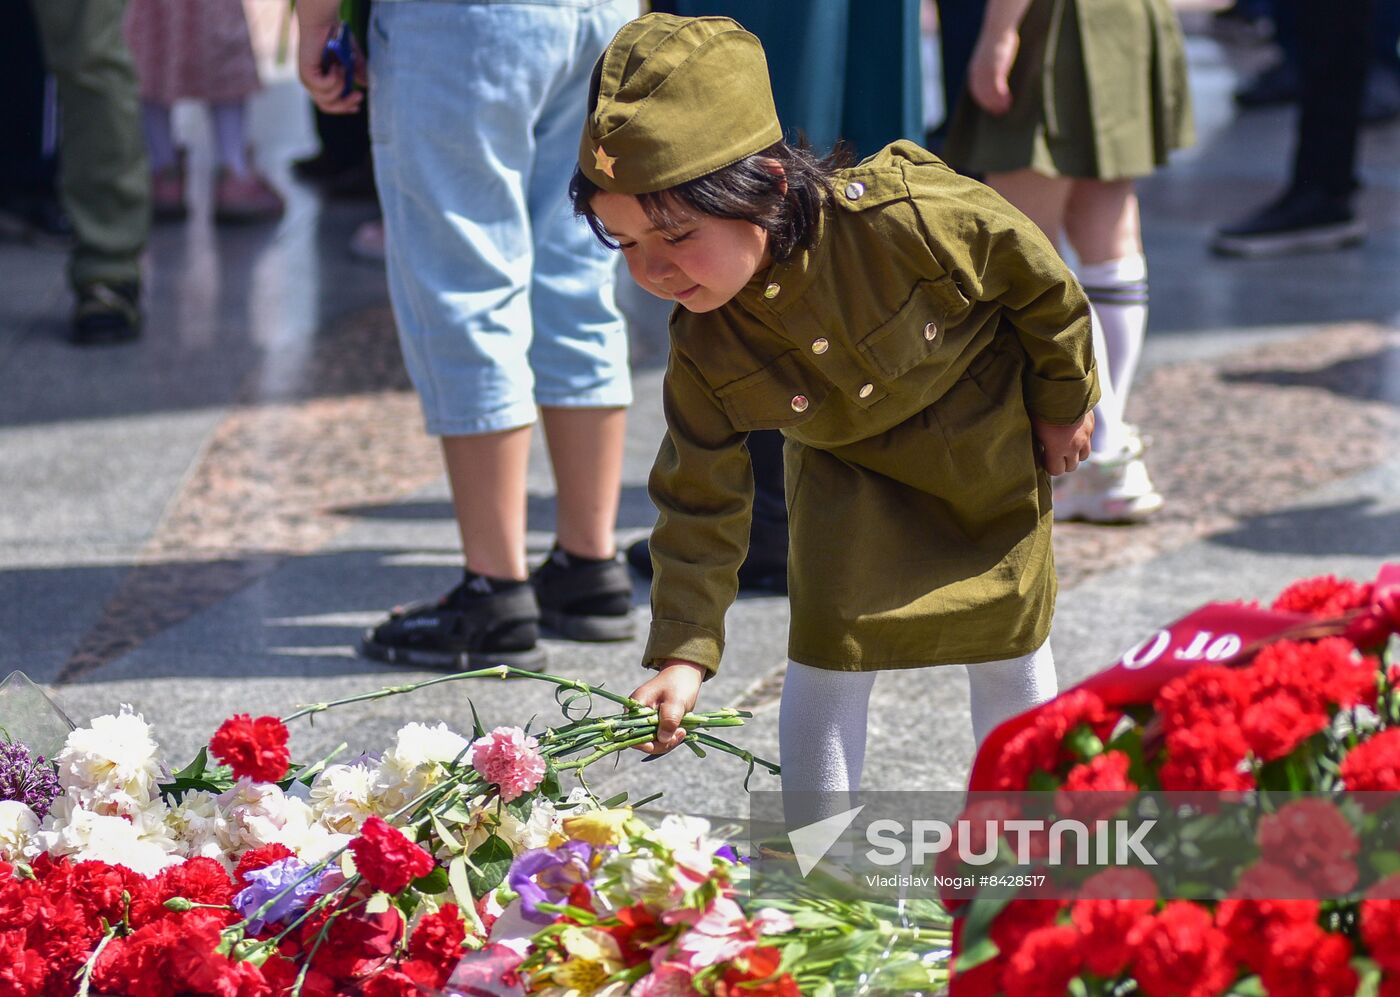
point(470, 628)
point(584, 600)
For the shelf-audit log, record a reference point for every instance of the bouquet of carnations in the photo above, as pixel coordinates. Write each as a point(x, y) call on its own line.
point(243, 875)
point(1279, 728)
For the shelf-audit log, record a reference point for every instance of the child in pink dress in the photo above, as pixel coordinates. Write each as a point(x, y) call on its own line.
point(198, 50)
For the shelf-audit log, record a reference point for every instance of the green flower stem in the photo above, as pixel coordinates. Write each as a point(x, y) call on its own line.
point(500, 672)
point(85, 976)
point(321, 936)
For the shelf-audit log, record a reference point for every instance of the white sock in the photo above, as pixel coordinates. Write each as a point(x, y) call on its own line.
point(228, 136)
point(160, 135)
point(821, 739)
point(1118, 291)
point(1110, 431)
point(1002, 689)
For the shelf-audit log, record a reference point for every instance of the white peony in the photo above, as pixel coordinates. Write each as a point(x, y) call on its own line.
point(18, 825)
point(142, 843)
point(259, 813)
point(341, 797)
point(416, 763)
point(115, 761)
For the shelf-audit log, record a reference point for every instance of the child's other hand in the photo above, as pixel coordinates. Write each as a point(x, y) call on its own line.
point(318, 22)
point(990, 69)
point(673, 693)
point(1063, 447)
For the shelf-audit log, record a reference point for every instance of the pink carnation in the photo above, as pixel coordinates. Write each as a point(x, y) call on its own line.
point(510, 759)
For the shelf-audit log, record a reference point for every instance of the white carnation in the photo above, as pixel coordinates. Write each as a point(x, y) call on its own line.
point(114, 761)
point(341, 797)
point(416, 763)
point(200, 827)
point(143, 844)
point(18, 826)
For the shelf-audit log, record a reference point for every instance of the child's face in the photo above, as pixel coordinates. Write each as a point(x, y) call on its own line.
point(702, 264)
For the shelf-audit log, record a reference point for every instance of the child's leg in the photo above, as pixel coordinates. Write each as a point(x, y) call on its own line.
point(160, 135)
point(821, 729)
point(1002, 689)
point(1104, 228)
point(229, 136)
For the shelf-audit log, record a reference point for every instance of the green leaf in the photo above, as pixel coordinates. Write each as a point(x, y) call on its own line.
point(457, 813)
point(698, 751)
point(196, 768)
point(1250, 986)
point(1368, 977)
point(1385, 863)
point(459, 879)
point(549, 786)
point(434, 882)
point(614, 801)
point(978, 926)
point(1084, 743)
point(815, 920)
point(521, 808)
point(444, 835)
point(980, 951)
point(835, 948)
point(490, 862)
point(1042, 782)
point(478, 731)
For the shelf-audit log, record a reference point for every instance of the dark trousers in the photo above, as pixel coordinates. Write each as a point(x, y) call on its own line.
point(28, 149)
point(344, 137)
point(1333, 62)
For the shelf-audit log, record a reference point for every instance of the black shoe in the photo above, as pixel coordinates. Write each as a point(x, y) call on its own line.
point(482, 623)
point(1279, 84)
point(758, 574)
point(584, 599)
point(1300, 221)
point(319, 167)
point(107, 312)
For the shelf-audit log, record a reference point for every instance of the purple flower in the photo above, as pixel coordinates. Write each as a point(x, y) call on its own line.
point(549, 875)
point(30, 779)
point(271, 880)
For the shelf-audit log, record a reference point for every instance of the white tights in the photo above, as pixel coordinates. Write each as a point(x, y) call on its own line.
point(823, 716)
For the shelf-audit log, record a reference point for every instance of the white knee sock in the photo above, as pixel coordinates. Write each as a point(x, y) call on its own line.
point(160, 135)
point(229, 136)
point(1110, 431)
point(821, 739)
point(1002, 689)
point(1118, 291)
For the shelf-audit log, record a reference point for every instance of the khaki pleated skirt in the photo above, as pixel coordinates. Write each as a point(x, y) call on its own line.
point(1099, 91)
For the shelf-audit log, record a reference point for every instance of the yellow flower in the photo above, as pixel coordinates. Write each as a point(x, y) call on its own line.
point(599, 827)
point(593, 957)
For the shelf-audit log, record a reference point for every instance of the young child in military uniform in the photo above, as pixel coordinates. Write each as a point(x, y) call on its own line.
point(917, 340)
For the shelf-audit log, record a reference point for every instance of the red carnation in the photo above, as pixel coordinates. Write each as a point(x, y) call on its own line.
point(391, 983)
point(1305, 961)
point(634, 932)
point(1390, 986)
point(254, 749)
point(1110, 903)
point(1324, 597)
point(1313, 840)
point(1045, 963)
point(1374, 766)
point(1097, 789)
point(201, 880)
point(260, 858)
point(386, 859)
point(1380, 923)
point(1265, 899)
point(1206, 758)
point(437, 941)
point(1039, 745)
point(1180, 953)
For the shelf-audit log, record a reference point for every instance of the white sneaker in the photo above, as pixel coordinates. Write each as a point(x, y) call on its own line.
point(1108, 488)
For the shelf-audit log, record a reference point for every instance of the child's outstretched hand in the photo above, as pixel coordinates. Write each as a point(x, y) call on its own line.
point(673, 693)
point(1063, 447)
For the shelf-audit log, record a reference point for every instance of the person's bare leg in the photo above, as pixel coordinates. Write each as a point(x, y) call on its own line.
point(487, 475)
point(1040, 198)
point(1101, 220)
point(585, 449)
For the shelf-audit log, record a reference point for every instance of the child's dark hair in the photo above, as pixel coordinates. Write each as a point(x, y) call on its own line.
point(749, 190)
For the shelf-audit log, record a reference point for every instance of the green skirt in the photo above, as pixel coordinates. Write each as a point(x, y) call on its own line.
point(1099, 91)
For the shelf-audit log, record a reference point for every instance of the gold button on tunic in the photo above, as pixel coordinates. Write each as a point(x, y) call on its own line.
point(820, 346)
point(771, 291)
point(919, 515)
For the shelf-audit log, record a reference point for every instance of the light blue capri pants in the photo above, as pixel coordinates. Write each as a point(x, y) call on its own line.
point(503, 299)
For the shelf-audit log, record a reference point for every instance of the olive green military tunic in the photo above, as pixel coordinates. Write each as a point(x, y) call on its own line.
point(902, 358)
point(1099, 90)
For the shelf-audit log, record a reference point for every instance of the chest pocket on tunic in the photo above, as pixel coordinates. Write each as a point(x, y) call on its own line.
point(781, 394)
point(916, 330)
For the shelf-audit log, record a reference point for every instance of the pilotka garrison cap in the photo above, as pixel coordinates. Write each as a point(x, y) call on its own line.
point(674, 98)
